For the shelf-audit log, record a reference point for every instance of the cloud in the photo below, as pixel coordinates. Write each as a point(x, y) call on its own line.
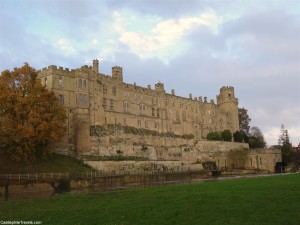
point(166, 39)
point(64, 45)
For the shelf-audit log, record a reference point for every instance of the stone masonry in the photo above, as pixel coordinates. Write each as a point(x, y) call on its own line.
point(107, 117)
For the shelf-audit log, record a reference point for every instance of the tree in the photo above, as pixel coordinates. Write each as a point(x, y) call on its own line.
point(31, 115)
point(244, 120)
point(214, 136)
point(238, 136)
point(226, 135)
point(286, 146)
point(256, 138)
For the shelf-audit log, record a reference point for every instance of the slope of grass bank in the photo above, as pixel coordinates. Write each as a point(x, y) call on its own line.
point(264, 200)
point(55, 163)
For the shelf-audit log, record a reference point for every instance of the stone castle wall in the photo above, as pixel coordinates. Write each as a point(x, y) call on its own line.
point(107, 117)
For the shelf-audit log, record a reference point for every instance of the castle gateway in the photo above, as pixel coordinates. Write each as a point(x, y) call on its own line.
point(107, 117)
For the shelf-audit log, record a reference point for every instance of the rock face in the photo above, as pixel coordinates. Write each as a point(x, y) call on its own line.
point(113, 119)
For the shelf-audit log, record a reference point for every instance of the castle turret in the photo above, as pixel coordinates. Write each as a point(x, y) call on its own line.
point(96, 65)
point(117, 73)
point(228, 104)
point(159, 87)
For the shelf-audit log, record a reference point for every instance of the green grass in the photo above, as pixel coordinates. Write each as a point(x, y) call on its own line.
point(264, 200)
point(55, 164)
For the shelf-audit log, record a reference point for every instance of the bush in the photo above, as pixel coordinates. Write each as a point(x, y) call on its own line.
point(238, 136)
point(226, 135)
point(214, 136)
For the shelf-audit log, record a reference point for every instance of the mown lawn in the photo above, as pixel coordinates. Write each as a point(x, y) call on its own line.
point(264, 200)
point(54, 164)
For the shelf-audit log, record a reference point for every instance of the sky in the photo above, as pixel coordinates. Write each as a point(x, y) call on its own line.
point(192, 46)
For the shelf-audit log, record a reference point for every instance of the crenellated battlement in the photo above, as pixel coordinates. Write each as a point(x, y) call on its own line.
point(52, 69)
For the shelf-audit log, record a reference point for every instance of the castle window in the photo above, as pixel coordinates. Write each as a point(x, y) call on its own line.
point(260, 162)
point(84, 84)
point(139, 123)
point(111, 105)
point(146, 124)
point(82, 100)
point(142, 109)
point(177, 116)
point(155, 125)
point(60, 81)
point(114, 91)
point(153, 112)
point(80, 83)
point(104, 104)
point(46, 81)
point(183, 116)
point(126, 106)
point(208, 112)
point(61, 99)
point(104, 89)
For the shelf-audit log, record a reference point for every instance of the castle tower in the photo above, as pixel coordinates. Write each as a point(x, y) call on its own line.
point(228, 104)
point(96, 66)
point(159, 87)
point(117, 73)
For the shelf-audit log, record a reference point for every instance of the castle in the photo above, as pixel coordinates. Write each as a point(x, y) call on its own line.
point(107, 117)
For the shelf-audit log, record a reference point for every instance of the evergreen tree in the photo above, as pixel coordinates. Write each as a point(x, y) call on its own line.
point(244, 120)
point(286, 146)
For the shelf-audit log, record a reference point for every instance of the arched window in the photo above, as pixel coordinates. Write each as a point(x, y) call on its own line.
point(142, 109)
point(61, 99)
point(111, 106)
point(104, 104)
point(177, 116)
point(183, 116)
point(80, 83)
point(84, 84)
point(126, 106)
point(104, 89)
point(46, 81)
point(114, 91)
point(60, 81)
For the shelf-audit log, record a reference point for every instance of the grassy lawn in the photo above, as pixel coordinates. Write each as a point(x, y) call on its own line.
point(264, 200)
point(57, 163)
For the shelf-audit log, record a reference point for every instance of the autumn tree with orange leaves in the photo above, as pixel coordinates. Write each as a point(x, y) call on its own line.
point(30, 116)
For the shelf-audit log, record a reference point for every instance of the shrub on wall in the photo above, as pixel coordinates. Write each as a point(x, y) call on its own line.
point(238, 136)
point(214, 136)
point(226, 135)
